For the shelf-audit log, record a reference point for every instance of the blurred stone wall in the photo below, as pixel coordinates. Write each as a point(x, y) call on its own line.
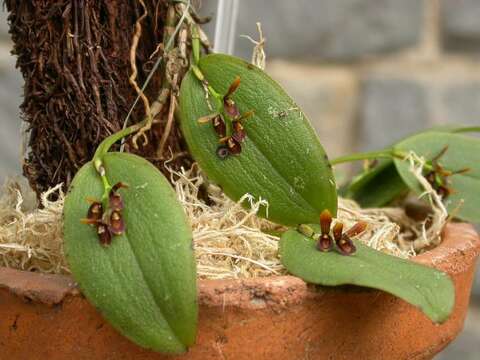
point(368, 72)
point(10, 98)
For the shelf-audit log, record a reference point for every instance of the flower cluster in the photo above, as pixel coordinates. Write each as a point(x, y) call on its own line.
point(438, 177)
point(109, 221)
point(328, 235)
point(230, 137)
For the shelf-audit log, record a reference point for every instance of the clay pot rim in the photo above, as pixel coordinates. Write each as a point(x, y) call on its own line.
point(454, 255)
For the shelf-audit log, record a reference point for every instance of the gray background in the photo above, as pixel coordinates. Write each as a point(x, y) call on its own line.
point(366, 72)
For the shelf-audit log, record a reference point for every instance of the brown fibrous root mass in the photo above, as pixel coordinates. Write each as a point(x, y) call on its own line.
point(74, 56)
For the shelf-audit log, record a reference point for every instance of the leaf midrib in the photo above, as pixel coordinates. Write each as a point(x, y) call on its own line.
point(149, 287)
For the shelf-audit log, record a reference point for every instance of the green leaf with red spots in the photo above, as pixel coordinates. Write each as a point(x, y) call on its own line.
point(144, 282)
point(281, 158)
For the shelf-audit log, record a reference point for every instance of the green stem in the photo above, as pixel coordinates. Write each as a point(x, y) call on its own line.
point(107, 143)
point(371, 155)
point(103, 148)
point(198, 73)
point(195, 44)
point(216, 97)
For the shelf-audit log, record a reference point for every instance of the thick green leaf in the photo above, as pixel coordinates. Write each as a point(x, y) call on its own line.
point(282, 159)
point(378, 186)
point(144, 283)
point(463, 152)
point(430, 290)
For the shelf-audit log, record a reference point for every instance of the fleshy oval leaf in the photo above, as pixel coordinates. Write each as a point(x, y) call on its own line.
point(281, 159)
point(432, 291)
point(144, 282)
point(377, 187)
point(463, 152)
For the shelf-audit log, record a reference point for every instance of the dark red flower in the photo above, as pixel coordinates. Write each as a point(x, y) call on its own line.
point(119, 185)
point(324, 240)
point(342, 239)
point(345, 245)
point(116, 224)
point(438, 176)
point(104, 235)
point(115, 200)
point(229, 105)
point(234, 146)
point(231, 109)
point(337, 231)
point(219, 126)
point(95, 211)
point(238, 131)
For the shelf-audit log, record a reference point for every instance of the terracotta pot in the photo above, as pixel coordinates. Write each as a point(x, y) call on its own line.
point(45, 317)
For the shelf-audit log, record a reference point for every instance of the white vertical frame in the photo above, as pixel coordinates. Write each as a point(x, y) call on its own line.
point(225, 26)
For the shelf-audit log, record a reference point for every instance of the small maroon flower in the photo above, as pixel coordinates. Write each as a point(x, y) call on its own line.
point(325, 241)
point(95, 211)
point(342, 239)
point(234, 146)
point(238, 131)
point(219, 126)
point(119, 185)
point(231, 109)
point(337, 231)
point(115, 200)
point(116, 224)
point(438, 177)
point(344, 243)
point(104, 235)
point(108, 222)
point(229, 105)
